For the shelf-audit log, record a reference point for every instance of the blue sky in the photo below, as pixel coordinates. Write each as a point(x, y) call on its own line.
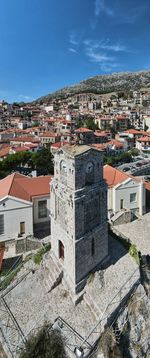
point(48, 44)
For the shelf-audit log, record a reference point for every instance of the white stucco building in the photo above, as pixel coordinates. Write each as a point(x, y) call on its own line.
point(125, 192)
point(24, 207)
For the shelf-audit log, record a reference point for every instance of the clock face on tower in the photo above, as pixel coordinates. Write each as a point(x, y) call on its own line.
point(89, 167)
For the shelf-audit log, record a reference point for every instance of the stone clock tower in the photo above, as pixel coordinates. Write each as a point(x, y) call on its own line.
point(79, 234)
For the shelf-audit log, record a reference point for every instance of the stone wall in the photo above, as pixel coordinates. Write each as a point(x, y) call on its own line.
point(27, 244)
point(121, 218)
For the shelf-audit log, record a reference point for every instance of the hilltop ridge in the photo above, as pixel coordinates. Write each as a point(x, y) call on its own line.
point(100, 84)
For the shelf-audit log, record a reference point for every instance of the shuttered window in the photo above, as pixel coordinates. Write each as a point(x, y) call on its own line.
point(1, 224)
point(42, 209)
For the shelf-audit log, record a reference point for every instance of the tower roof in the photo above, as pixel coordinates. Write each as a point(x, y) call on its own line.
point(76, 149)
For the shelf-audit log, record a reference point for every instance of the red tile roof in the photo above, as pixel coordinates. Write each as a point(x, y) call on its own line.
point(48, 134)
point(23, 187)
point(116, 143)
point(114, 176)
point(143, 139)
point(100, 134)
point(133, 131)
point(21, 149)
point(27, 139)
point(4, 152)
point(99, 146)
point(120, 118)
point(83, 130)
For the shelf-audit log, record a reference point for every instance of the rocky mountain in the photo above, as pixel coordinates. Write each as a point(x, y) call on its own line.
point(124, 81)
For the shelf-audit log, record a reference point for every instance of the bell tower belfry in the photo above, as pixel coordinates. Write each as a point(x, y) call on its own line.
point(79, 235)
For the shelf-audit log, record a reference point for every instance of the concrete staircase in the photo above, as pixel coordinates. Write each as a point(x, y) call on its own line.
point(53, 272)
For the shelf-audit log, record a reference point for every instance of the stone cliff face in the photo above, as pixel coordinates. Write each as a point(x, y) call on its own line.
point(129, 336)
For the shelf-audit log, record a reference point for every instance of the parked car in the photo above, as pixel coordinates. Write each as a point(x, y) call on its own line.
point(139, 164)
point(125, 169)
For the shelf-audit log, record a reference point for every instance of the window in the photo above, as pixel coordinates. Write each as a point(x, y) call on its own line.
point(132, 197)
point(121, 204)
point(1, 224)
point(22, 228)
point(42, 209)
point(92, 247)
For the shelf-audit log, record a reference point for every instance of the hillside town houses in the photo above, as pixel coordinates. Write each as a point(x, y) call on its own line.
point(108, 123)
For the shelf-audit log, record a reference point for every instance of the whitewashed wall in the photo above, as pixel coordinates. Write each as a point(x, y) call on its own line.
point(15, 211)
point(123, 191)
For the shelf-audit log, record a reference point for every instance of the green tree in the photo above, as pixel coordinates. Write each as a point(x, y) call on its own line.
point(146, 128)
point(15, 160)
point(109, 160)
point(45, 344)
point(90, 124)
point(134, 152)
point(16, 104)
point(42, 161)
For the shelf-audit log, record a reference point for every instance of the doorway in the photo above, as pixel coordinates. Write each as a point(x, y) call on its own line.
point(121, 204)
point(22, 228)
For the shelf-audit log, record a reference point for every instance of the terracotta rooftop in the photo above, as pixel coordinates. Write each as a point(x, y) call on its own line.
point(114, 176)
point(23, 187)
point(21, 149)
point(99, 146)
point(116, 143)
point(133, 131)
point(144, 139)
point(30, 139)
point(48, 134)
point(4, 151)
point(100, 134)
point(83, 130)
point(58, 144)
point(120, 118)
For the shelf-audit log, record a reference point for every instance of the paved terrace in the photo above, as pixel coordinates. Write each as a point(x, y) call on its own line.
point(138, 232)
point(32, 304)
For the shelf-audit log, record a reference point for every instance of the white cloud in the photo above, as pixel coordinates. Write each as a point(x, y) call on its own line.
point(73, 40)
point(99, 7)
point(114, 47)
point(105, 45)
point(71, 49)
point(103, 53)
point(98, 57)
point(24, 97)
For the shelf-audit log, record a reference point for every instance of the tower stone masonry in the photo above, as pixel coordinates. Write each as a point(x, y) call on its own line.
point(79, 234)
